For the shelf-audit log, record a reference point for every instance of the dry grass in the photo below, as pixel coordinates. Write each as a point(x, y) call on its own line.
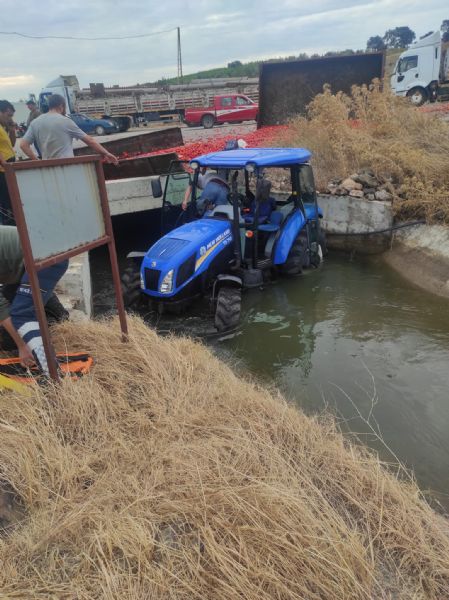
point(164, 475)
point(376, 130)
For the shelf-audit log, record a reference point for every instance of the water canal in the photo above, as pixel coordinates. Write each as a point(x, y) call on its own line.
point(353, 338)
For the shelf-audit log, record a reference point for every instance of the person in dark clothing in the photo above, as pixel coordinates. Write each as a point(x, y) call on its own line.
point(267, 204)
point(34, 111)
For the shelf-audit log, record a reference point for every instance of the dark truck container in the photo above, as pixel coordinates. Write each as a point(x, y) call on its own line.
point(287, 87)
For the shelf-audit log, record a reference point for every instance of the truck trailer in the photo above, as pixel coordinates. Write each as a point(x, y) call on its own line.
point(129, 106)
point(422, 70)
point(287, 87)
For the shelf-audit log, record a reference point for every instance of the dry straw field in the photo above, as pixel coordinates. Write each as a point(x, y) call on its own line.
point(372, 129)
point(164, 475)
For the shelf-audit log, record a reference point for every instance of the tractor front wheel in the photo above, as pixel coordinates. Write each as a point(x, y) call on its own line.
point(132, 295)
point(227, 312)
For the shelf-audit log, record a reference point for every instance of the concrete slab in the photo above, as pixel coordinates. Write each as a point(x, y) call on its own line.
point(132, 195)
point(75, 288)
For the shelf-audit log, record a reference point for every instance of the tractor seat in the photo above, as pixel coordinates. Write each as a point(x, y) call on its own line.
point(273, 224)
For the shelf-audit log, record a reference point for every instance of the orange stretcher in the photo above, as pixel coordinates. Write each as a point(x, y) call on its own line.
point(13, 374)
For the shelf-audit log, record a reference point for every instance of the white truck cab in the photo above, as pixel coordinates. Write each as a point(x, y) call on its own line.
point(420, 69)
point(66, 86)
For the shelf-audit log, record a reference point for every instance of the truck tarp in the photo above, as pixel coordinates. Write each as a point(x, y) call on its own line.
point(286, 88)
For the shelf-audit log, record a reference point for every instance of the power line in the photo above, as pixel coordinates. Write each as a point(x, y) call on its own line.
point(63, 37)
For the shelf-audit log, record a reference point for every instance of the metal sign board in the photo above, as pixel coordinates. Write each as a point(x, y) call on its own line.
point(61, 210)
point(69, 197)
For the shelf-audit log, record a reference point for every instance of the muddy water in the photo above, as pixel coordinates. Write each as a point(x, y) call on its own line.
point(358, 340)
point(352, 338)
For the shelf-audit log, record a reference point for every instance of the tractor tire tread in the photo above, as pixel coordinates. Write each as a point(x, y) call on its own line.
point(131, 287)
point(227, 313)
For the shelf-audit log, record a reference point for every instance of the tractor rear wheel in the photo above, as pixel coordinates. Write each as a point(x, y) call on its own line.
point(132, 295)
point(227, 312)
point(296, 258)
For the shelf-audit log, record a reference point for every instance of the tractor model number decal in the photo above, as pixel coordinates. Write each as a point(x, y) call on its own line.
point(205, 251)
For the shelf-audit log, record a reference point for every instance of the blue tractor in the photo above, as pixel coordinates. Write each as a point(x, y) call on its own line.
point(219, 250)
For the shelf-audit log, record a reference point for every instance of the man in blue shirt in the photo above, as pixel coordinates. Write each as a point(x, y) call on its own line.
point(215, 193)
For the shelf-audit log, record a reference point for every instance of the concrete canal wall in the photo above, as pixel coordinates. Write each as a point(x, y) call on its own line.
point(344, 217)
point(421, 255)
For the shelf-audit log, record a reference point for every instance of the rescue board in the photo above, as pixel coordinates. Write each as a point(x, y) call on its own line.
point(14, 376)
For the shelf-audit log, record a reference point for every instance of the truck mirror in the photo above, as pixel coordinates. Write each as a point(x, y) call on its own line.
point(156, 187)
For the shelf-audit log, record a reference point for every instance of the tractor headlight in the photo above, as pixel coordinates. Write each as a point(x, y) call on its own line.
point(167, 283)
point(250, 167)
point(194, 164)
point(142, 282)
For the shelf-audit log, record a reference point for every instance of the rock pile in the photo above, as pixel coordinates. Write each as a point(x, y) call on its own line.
point(362, 185)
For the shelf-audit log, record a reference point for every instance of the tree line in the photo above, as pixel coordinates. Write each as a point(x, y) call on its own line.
point(401, 37)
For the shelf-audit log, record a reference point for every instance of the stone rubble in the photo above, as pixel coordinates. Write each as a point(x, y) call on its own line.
point(364, 184)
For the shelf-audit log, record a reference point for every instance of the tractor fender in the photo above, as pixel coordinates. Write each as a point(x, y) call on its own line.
point(229, 280)
point(289, 232)
point(135, 257)
point(225, 280)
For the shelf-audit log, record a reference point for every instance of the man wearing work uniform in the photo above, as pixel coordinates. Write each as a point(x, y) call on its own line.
point(19, 319)
point(6, 155)
point(54, 133)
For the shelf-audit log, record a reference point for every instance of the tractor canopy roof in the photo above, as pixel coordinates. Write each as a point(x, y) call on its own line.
point(259, 157)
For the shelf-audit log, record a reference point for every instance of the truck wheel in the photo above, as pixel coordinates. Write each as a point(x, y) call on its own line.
point(132, 295)
point(418, 96)
point(227, 313)
point(100, 130)
point(208, 121)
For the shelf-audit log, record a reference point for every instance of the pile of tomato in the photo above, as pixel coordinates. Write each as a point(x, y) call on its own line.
point(263, 137)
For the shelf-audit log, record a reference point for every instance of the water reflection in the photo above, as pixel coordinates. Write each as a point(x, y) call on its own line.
point(354, 337)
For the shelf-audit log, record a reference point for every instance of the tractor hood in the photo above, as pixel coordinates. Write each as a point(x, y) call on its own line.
point(186, 251)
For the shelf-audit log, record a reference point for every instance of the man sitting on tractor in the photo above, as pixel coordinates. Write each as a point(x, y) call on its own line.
point(267, 204)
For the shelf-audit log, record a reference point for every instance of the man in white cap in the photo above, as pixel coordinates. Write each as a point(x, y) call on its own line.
point(215, 192)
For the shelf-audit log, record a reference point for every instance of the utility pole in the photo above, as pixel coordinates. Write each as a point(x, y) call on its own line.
point(179, 56)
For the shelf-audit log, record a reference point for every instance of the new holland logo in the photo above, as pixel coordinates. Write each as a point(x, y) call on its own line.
point(153, 263)
point(202, 250)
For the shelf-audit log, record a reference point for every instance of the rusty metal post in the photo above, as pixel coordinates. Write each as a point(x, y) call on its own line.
point(112, 251)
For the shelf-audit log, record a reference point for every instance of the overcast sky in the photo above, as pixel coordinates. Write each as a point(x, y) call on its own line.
point(213, 33)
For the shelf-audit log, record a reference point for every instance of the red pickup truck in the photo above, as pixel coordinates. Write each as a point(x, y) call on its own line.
point(233, 108)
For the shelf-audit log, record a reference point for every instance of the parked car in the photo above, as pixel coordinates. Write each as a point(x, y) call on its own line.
point(233, 108)
point(98, 126)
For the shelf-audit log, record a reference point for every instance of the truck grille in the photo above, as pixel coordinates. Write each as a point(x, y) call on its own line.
point(152, 279)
